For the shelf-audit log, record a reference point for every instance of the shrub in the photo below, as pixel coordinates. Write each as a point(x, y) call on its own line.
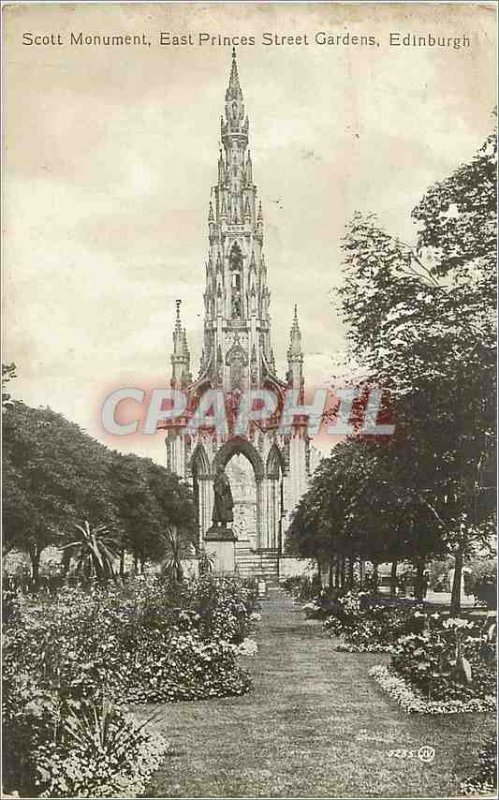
point(72, 748)
point(98, 753)
point(302, 587)
point(367, 624)
point(453, 660)
point(30, 717)
point(132, 642)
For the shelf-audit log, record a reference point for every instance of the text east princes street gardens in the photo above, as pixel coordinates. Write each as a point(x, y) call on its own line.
point(168, 39)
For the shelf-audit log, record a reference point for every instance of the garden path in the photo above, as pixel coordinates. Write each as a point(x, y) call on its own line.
point(314, 725)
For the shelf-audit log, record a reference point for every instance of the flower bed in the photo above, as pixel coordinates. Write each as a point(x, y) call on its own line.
point(145, 641)
point(75, 748)
point(369, 625)
point(413, 701)
point(445, 669)
point(451, 660)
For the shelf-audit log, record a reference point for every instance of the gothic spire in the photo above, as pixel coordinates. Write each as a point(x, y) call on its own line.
point(177, 331)
point(235, 122)
point(295, 352)
point(234, 88)
point(237, 296)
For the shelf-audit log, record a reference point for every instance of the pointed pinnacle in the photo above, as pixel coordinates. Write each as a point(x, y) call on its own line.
point(178, 326)
point(294, 349)
point(234, 77)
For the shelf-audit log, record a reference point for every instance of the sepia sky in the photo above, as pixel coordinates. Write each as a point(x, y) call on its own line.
point(110, 153)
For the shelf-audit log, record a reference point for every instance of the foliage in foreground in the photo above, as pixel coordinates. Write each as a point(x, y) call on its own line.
point(66, 658)
point(451, 660)
point(413, 701)
point(484, 779)
point(441, 658)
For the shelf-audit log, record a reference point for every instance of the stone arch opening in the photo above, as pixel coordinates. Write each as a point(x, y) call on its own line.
point(245, 470)
point(238, 445)
point(274, 469)
point(201, 486)
point(275, 465)
point(242, 479)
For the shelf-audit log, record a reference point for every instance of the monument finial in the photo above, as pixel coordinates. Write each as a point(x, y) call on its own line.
point(295, 349)
point(234, 89)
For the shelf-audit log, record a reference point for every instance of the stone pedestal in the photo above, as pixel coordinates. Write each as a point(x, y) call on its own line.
point(220, 545)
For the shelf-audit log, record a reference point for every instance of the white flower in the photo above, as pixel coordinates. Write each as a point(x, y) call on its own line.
point(248, 647)
point(397, 688)
point(456, 622)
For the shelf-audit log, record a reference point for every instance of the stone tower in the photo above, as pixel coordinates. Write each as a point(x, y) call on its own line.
point(237, 355)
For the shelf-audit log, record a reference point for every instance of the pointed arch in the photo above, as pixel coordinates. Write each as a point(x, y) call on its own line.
point(275, 462)
point(199, 462)
point(238, 445)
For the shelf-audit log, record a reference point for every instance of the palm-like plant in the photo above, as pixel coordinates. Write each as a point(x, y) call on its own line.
point(176, 549)
point(94, 551)
point(101, 729)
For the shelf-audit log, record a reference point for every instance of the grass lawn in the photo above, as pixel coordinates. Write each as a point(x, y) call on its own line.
point(315, 725)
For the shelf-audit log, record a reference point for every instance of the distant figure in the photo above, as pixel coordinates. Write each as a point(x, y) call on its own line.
point(223, 504)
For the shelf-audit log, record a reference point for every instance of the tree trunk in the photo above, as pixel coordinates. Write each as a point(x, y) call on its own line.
point(338, 571)
point(319, 571)
point(393, 578)
point(34, 554)
point(343, 572)
point(351, 562)
point(362, 573)
point(419, 582)
point(331, 567)
point(455, 601)
point(375, 576)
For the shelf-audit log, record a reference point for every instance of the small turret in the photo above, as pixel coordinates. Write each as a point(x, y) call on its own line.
point(249, 170)
point(221, 169)
point(247, 211)
point(295, 354)
point(181, 357)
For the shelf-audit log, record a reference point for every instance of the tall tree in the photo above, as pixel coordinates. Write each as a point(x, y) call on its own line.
point(421, 320)
point(54, 474)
